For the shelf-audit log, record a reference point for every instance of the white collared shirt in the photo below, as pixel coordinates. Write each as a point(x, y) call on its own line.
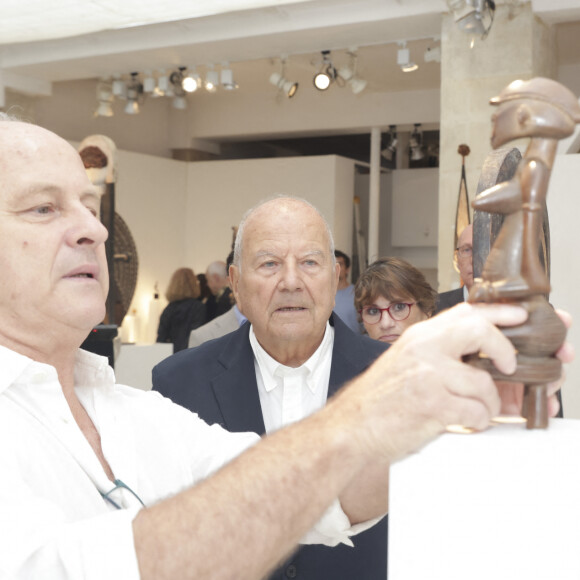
point(54, 523)
point(289, 394)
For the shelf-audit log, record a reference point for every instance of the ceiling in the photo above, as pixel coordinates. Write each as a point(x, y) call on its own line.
point(89, 39)
point(101, 37)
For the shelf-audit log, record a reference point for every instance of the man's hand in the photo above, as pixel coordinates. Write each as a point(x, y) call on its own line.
point(512, 394)
point(420, 385)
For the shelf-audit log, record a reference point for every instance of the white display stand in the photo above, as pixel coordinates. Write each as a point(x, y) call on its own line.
point(498, 505)
point(135, 362)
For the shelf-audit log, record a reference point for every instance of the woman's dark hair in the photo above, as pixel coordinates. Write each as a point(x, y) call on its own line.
point(395, 279)
point(183, 284)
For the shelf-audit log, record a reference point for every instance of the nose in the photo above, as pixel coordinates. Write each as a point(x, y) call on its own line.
point(291, 277)
point(87, 229)
point(386, 321)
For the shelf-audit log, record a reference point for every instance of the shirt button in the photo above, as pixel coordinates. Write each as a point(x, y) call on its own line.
point(291, 571)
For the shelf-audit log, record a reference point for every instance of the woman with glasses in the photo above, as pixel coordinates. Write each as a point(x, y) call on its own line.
point(390, 296)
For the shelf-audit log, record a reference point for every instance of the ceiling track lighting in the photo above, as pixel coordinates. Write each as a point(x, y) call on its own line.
point(327, 73)
point(104, 99)
point(404, 58)
point(390, 150)
point(227, 78)
point(211, 79)
point(349, 74)
point(134, 92)
point(416, 143)
point(469, 15)
point(286, 87)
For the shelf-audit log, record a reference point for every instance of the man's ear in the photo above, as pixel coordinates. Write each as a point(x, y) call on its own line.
point(234, 275)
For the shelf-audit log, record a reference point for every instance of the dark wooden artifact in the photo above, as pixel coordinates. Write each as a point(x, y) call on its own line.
point(515, 271)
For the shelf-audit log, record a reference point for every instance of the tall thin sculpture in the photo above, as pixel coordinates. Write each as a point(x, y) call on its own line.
point(545, 111)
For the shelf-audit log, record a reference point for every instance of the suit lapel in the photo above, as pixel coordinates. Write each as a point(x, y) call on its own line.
point(235, 388)
point(343, 366)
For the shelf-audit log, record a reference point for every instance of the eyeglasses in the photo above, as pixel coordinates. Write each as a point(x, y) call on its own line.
point(464, 251)
point(119, 485)
point(397, 311)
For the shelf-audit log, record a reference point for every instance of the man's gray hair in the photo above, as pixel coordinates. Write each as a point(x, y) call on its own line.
point(240, 235)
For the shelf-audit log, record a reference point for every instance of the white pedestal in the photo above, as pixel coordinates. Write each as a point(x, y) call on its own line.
point(135, 362)
point(498, 505)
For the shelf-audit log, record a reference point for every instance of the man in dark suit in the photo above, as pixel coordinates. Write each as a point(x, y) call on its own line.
point(284, 365)
point(463, 259)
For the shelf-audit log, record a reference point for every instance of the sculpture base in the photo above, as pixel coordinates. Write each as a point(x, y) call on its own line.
point(503, 504)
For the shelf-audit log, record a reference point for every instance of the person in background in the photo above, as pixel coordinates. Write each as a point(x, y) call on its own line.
point(220, 325)
point(220, 300)
point(344, 300)
point(204, 291)
point(463, 260)
point(184, 311)
point(392, 295)
point(295, 354)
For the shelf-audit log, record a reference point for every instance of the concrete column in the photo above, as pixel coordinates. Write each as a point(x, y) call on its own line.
point(519, 46)
point(374, 194)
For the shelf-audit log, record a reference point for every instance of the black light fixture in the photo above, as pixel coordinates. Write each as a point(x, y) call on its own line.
point(416, 143)
point(327, 73)
point(389, 151)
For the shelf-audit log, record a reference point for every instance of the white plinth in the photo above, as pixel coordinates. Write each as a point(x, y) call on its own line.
point(135, 362)
point(499, 505)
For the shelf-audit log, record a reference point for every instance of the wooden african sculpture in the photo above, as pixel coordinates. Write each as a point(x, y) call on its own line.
point(545, 111)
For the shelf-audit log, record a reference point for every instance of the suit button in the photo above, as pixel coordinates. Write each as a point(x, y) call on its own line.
point(291, 571)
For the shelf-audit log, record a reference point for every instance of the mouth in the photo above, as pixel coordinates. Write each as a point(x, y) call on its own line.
point(290, 309)
point(84, 272)
point(389, 338)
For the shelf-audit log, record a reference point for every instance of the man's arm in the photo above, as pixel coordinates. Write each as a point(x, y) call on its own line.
point(242, 521)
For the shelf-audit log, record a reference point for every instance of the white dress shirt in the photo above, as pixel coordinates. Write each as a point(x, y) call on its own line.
point(289, 394)
point(54, 522)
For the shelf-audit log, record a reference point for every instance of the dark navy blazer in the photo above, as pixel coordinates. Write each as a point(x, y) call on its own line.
point(217, 380)
point(449, 299)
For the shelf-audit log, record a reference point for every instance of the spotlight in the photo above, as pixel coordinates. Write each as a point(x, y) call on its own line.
point(105, 99)
point(327, 74)
point(279, 80)
point(134, 90)
point(119, 87)
point(349, 74)
point(415, 143)
point(404, 58)
point(227, 78)
point(211, 80)
point(389, 151)
point(191, 82)
point(149, 83)
point(469, 15)
point(162, 85)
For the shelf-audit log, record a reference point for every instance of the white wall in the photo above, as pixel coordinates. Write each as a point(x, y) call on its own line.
point(564, 209)
point(220, 192)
